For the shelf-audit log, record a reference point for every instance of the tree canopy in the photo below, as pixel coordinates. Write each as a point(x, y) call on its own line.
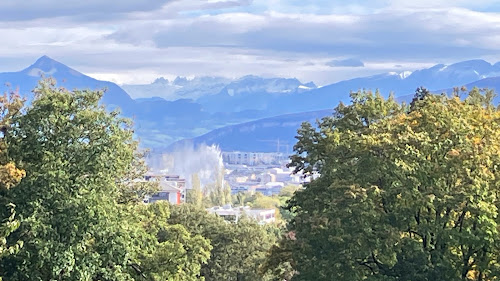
point(239, 249)
point(10, 175)
point(404, 194)
point(78, 208)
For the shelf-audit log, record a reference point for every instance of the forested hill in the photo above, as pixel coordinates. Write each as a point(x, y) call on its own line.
point(265, 135)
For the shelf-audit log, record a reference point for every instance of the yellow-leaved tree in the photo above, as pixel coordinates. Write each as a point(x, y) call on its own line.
point(404, 193)
point(10, 175)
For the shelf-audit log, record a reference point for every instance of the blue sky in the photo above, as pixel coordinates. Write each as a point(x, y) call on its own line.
point(323, 41)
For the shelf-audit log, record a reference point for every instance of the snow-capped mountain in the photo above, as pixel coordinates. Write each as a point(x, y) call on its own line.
point(400, 83)
point(443, 76)
point(200, 105)
point(246, 136)
point(437, 77)
point(205, 86)
point(271, 96)
point(254, 84)
point(179, 88)
point(253, 93)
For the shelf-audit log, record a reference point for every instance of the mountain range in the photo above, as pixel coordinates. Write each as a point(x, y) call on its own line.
point(245, 114)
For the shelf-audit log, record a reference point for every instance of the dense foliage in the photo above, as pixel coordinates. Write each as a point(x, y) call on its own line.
point(405, 193)
point(77, 208)
point(10, 175)
point(238, 248)
point(71, 181)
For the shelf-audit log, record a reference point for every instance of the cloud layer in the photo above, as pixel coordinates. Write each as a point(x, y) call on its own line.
point(312, 40)
point(346, 63)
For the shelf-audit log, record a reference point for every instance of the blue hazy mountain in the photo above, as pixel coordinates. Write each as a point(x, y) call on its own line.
point(401, 84)
point(492, 83)
point(158, 122)
point(265, 135)
point(228, 102)
point(282, 96)
point(248, 136)
point(26, 79)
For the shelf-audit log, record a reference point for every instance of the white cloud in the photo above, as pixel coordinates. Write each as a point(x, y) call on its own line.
point(135, 43)
point(25, 10)
point(405, 35)
point(429, 4)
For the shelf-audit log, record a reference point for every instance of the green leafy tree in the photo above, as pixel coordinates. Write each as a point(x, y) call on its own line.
point(132, 186)
point(289, 190)
point(10, 175)
point(239, 199)
point(403, 195)
point(194, 195)
point(239, 249)
point(219, 192)
point(170, 252)
point(73, 153)
point(228, 198)
point(77, 205)
point(420, 94)
point(213, 195)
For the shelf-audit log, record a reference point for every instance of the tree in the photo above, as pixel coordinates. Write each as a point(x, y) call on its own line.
point(228, 197)
point(420, 94)
point(170, 252)
point(219, 192)
point(73, 152)
point(77, 205)
point(238, 248)
point(194, 195)
point(132, 186)
point(403, 195)
point(10, 175)
point(239, 199)
point(289, 190)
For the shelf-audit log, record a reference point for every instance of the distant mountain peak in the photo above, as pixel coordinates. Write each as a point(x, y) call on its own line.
point(45, 61)
point(46, 66)
point(161, 80)
point(311, 84)
point(45, 57)
point(180, 81)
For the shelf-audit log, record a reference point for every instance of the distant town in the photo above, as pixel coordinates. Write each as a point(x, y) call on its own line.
point(244, 172)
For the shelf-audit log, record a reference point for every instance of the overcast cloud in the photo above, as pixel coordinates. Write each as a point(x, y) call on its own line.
point(324, 40)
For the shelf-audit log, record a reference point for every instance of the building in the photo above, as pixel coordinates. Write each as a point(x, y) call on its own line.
point(252, 158)
point(172, 189)
point(238, 189)
point(233, 214)
point(270, 188)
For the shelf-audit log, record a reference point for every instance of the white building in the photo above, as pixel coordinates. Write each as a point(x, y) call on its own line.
point(172, 189)
point(251, 158)
point(233, 214)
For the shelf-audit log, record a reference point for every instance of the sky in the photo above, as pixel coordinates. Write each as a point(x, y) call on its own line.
point(325, 41)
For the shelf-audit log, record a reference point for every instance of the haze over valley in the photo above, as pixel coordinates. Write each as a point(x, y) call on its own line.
point(238, 114)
